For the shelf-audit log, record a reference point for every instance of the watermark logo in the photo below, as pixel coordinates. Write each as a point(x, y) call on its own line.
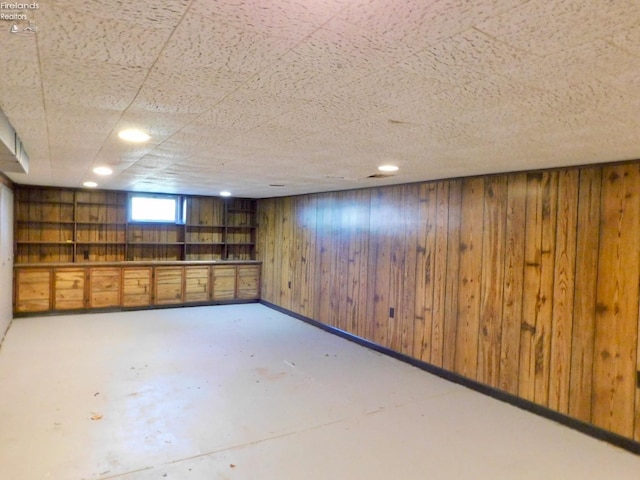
point(18, 17)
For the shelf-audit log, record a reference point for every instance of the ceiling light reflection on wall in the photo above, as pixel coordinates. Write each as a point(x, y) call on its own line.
point(102, 171)
point(133, 135)
point(388, 168)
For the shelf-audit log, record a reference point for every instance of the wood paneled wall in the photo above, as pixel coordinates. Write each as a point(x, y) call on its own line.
point(525, 282)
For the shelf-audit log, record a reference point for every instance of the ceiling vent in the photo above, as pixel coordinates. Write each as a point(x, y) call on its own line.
point(13, 157)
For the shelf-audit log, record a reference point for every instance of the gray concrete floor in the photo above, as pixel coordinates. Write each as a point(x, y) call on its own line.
point(245, 392)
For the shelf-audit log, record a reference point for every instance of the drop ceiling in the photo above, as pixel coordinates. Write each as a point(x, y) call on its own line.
point(277, 97)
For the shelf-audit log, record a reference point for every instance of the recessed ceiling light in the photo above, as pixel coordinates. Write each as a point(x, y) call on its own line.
point(90, 184)
point(388, 168)
point(225, 194)
point(133, 135)
point(102, 171)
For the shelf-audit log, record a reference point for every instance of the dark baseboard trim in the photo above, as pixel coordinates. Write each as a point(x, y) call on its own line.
point(586, 428)
point(48, 313)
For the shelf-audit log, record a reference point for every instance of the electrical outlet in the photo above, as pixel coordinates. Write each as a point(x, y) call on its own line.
point(392, 312)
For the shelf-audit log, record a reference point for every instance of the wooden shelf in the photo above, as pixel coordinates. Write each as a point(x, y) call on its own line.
point(45, 242)
point(53, 222)
point(204, 226)
point(97, 228)
point(205, 243)
point(81, 242)
point(155, 243)
point(110, 224)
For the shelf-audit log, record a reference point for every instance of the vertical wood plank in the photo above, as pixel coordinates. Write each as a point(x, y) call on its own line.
point(382, 222)
point(304, 290)
point(425, 271)
point(492, 280)
point(614, 368)
point(358, 266)
point(324, 255)
point(513, 283)
point(409, 208)
point(563, 293)
point(441, 268)
point(586, 268)
point(535, 342)
point(470, 246)
point(341, 224)
point(453, 272)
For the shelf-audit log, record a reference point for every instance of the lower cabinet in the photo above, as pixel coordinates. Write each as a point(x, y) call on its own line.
point(68, 287)
point(169, 285)
point(224, 283)
point(32, 290)
point(61, 287)
point(136, 286)
point(248, 282)
point(196, 284)
point(104, 287)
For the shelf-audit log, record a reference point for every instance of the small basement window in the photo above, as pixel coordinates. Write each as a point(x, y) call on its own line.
point(156, 208)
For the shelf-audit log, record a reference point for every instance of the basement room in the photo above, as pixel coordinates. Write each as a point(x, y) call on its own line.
point(320, 239)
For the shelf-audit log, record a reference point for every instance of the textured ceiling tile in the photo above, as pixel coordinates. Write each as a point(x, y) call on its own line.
point(146, 13)
point(273, 136)
point(293, 81)
point(90, 84)
point(158, 125)
point(422, 23)
point(63, 116)
point(474, 51)
point(346, 105)
point(245, 111)
point(22, 72)
point(315, 94)
point(194, 79)
point(215, 44)
point(292, 19)
point(96, 38)
point(628, 39)
point(351, 46)
point(172, 102)
point(543, 27)
point(586, 62)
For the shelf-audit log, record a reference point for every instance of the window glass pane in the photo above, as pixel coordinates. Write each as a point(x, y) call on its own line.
point(146, 209)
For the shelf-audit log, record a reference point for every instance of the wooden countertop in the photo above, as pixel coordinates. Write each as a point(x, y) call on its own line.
point(138, 263)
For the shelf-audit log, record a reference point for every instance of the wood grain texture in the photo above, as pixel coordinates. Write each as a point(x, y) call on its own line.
point(584, 305)
point(32, 290)
point(469, 277)
point(616, 331)
point(104, 287)
point(136, 286)
point(69, 288)
point(425, 256)
point(492, 280)
point(526, 282)
point(513, 266)
point(563, 290)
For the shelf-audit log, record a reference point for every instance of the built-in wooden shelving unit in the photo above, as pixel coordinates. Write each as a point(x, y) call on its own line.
point(66, 225)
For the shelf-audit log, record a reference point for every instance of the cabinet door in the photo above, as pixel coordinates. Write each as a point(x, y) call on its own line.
point(69, 286)
point(104, 287)
point(33, 290)
point(196, 284)
point(248, 282)
point(136, 286)
point(168, 285)
point(224, 282)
